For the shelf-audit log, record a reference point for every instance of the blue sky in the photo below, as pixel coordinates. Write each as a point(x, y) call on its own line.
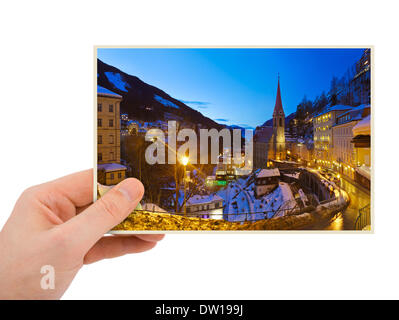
point(235, 86)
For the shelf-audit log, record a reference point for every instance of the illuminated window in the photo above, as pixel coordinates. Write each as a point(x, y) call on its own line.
point(111, 139)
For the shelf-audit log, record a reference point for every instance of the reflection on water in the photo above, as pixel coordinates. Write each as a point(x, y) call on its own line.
point(337, 223)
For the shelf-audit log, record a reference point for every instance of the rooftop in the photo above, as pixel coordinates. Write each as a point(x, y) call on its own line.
point(338, 107)
point(362, 127)
point(101, 91)
point(356, 113)
point(264, 173)
point(198, 199)
point(109, 167)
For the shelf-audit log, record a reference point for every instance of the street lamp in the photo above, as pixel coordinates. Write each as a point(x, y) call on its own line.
point(184, 161)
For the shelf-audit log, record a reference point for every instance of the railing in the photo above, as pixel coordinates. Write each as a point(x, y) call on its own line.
point(244, 216)
point(364, 218)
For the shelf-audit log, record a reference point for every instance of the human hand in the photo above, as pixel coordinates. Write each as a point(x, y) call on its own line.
point(54, 224)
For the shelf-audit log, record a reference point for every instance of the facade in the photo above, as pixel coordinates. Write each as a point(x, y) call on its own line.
point(269, 141)
point(108, 137)
point(262, 141)
point(266, 180)
point(300, 150)
point(323, 135)
point(362, 146)
point(208, 206)
point(344, 157)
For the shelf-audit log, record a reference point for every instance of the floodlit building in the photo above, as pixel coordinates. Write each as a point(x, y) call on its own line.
point(110, 173)
point(344, 156)
point(278, 147)
point(323, 135)
point(109, 169)
point(269, 141)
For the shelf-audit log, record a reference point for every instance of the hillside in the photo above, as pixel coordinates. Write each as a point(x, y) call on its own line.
point(146, 102)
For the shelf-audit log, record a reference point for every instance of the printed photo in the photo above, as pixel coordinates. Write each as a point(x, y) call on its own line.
point(237, 139)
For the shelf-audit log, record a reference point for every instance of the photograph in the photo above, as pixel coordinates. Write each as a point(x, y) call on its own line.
point(250, 139)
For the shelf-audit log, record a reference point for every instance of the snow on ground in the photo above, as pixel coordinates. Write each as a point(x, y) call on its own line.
point(165, 102)
point(241, 204)
point(117, 81)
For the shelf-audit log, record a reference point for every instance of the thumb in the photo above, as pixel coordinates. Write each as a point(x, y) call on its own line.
point(112, 208)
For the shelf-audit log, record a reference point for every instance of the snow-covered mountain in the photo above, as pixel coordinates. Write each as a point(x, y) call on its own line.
point(146, 102)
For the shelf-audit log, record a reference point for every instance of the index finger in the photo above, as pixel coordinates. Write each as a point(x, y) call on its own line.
point(77, 187)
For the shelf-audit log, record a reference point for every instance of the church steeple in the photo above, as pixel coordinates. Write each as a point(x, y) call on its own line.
point(279, 126)
point(278, 107)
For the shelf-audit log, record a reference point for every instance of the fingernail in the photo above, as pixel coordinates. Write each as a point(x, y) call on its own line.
point(130, 190)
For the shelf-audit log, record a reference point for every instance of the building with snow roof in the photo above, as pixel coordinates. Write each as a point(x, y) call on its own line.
point(109, 169)
point(266, 181)
point(206, 206)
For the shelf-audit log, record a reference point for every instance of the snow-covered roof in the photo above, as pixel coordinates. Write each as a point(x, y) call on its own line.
point(152, 207)
point(338, 107)
point(198, 199)
point(362, 127)
point(264, 173)
point(109, 167)
point(101, 91)
point(365, 171)
point(356, 113)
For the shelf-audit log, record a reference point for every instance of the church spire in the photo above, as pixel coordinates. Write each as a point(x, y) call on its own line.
point(278, 108)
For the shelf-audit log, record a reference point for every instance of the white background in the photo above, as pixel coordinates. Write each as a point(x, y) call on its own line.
point(46, 131)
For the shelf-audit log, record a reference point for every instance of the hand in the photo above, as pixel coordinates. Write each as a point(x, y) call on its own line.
point(54, 224)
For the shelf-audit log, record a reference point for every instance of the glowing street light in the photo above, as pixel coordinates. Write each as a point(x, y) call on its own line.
point(184, 162)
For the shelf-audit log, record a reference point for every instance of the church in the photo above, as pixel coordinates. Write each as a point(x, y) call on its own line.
point(269, 141)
